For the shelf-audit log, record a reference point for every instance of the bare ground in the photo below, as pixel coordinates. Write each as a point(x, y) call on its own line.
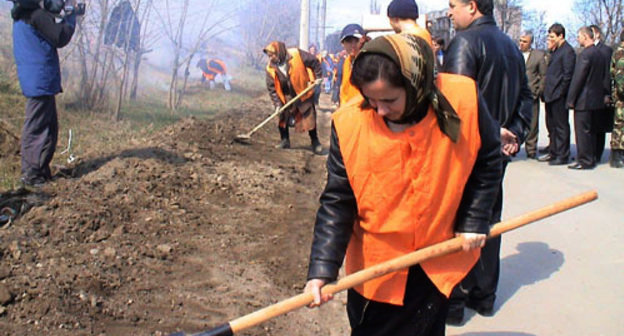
point(181, 231)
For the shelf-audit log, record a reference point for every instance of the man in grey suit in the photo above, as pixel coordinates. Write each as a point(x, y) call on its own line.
point(535, 64)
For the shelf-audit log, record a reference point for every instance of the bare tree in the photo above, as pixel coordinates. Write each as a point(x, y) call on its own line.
point(608, 14)
point(212, 20)
point(535, 22)
point(148, 38)
point(508, 15)
point(266, 21)
point(104, 68)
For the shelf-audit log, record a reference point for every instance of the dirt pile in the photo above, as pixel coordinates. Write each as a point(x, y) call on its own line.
point(180, 231)
point(9, 150)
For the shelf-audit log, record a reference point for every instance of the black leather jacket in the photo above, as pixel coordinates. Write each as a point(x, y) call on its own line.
point(338, 211)
point(484, 53)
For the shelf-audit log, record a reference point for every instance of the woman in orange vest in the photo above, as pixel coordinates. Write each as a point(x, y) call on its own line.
point(413, 162)
point(289, 72)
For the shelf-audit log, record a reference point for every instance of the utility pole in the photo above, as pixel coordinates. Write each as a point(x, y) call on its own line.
point(322, 24)
point(304, 28)
point(317, 24)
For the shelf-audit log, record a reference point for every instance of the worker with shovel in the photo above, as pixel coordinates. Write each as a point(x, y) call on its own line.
point(414, 162)
point(286, 76)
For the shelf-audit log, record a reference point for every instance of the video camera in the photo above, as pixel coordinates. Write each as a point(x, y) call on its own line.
point(52, 6)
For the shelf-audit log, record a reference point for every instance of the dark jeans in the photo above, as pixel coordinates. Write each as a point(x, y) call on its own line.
point(423, 312)
point(480, 284)
point(557, 115)
point(39, 136)
point(531, 140)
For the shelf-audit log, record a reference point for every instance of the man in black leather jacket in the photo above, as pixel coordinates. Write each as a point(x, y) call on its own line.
point(480, 50)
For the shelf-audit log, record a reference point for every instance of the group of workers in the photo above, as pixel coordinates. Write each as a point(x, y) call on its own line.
point(418, 151)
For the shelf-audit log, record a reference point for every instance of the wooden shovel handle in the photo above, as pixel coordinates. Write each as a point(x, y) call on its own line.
point(393, 265)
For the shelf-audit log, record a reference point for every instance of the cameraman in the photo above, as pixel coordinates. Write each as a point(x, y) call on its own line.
point(36, 37)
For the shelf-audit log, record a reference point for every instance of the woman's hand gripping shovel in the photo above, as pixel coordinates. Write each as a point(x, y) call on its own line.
point(446, 247)
point(246, 138)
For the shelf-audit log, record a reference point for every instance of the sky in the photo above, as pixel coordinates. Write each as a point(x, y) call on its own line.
point(341, 12)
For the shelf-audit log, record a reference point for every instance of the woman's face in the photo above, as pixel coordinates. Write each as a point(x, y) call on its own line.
point(388, 100)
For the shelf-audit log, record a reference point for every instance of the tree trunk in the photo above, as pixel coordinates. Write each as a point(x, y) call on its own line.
point(135, 76)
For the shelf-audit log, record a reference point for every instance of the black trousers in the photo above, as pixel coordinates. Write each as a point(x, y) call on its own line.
point(585, 138)
point(39, 136)
point(480, 284)
point(531, 140)
point(602, 122)
point(557, 116)
point(423, 313)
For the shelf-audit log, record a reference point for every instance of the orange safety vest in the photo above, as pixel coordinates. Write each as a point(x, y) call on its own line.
point(408, 187)
point(347, 90)
point(297, 73)
point(211, 76)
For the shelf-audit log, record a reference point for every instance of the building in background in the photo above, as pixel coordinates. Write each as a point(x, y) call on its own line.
point(508, 19)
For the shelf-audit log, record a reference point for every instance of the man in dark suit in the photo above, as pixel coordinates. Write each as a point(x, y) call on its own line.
point(586, 97)
point(603, 120)
point(558, 78)
point(535, 64)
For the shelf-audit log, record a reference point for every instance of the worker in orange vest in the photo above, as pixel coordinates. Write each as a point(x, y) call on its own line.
point(214, 70)
point(402, 15)
point(413, 162)
point(289, 72)
point(352, 37)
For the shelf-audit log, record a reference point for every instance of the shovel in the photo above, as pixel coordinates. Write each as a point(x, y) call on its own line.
point(245, 138)
point(393, 265)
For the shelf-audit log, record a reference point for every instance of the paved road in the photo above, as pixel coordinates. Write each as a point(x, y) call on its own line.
point(563, 275)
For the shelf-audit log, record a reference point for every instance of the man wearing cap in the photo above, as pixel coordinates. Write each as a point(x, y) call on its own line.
point(351, 38)
point(481, 51)
point(402, 15)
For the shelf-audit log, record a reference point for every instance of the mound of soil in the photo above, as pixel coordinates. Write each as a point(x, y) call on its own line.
point(9, 150)
point(181, 231)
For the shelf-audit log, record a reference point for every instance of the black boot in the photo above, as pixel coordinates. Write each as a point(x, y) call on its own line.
point(617, 158)
point(285, 141)
point(317, 148)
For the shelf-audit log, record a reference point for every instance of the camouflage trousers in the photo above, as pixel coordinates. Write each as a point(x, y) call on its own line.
point(617, 136)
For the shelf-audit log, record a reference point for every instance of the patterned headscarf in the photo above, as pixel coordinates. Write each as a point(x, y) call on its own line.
point(414, 57)
point(278, 48)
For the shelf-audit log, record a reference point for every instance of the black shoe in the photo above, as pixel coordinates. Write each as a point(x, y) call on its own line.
point(33, 181)
point(616, 160)
point(578, 166)
point(544, 150)
point(483, 308)
point(558, 162)
point(455, 315)
point(545, 158)
point(284, 144)
point(531, 156)
point(317, 148)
